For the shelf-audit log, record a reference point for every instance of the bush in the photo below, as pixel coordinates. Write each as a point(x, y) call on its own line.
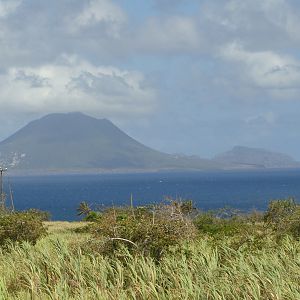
point(92, 216)
point(283, 216)
point(279, 211)
point(147, 230)
point(255, 217)
point(21, 226)
point(225, 222)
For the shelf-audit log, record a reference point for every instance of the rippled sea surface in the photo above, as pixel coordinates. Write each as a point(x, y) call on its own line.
point(245, 190)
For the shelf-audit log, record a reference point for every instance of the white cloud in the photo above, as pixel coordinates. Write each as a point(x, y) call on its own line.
point(100, 11)
point(258, 24)
point(8, 6)
point(174, 42)
point(266, 69)
point(76, 85)
point(281, 14)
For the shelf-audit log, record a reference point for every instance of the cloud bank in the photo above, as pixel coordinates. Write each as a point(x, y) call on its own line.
point(211, 68)
point(77, 85)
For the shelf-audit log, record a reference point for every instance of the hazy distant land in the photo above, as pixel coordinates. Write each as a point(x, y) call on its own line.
point(77, 143)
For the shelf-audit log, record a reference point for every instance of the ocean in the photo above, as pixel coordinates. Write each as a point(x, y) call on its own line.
point(244, 190)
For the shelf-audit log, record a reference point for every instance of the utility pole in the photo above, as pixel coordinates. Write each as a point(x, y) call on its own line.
point(2, 194)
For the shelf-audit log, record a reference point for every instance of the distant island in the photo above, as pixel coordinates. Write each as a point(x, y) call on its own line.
point(75, 142)
point(245, 157)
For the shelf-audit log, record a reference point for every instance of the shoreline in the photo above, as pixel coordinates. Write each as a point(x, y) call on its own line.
point(21, 173)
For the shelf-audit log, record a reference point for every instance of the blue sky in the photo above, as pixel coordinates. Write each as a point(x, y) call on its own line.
point(182, 76)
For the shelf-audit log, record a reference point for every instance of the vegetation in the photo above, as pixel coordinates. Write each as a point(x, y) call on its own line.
point(145, 230)
point(22, 226)
point(85, 210)
point(168, 251)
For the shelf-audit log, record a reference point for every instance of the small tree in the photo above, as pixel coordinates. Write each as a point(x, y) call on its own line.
point(83, 209)
point(279, 211)
point(21, 226)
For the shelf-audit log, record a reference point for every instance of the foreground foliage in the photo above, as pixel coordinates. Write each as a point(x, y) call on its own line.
point(55, 269)
point(22, 226)
point(146, 230)
point(167, 251)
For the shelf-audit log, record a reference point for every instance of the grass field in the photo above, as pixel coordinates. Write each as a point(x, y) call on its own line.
point(168, 251)
point(57, 268)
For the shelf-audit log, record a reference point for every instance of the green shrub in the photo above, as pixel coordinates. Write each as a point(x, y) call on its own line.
point(283, 217)
point(225, 222)
point(147, 230)
point(255, 217)
point(92, 216)
point(279, 211)
point(87, 213)
point(21, 226)
point(291, 225)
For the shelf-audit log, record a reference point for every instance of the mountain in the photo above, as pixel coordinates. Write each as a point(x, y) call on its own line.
point(74, 141)
point(245, 157)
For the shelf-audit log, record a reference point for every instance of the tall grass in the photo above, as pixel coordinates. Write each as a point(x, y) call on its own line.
point(205, 256)
point(56, 268)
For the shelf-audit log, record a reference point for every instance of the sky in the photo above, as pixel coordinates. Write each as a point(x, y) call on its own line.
point(181, 76)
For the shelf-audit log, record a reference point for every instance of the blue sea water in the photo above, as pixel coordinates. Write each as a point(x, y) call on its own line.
point(245, 190)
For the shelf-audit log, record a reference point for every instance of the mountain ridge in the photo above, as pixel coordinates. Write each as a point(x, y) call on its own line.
point(77, 141)
point(256, 157)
